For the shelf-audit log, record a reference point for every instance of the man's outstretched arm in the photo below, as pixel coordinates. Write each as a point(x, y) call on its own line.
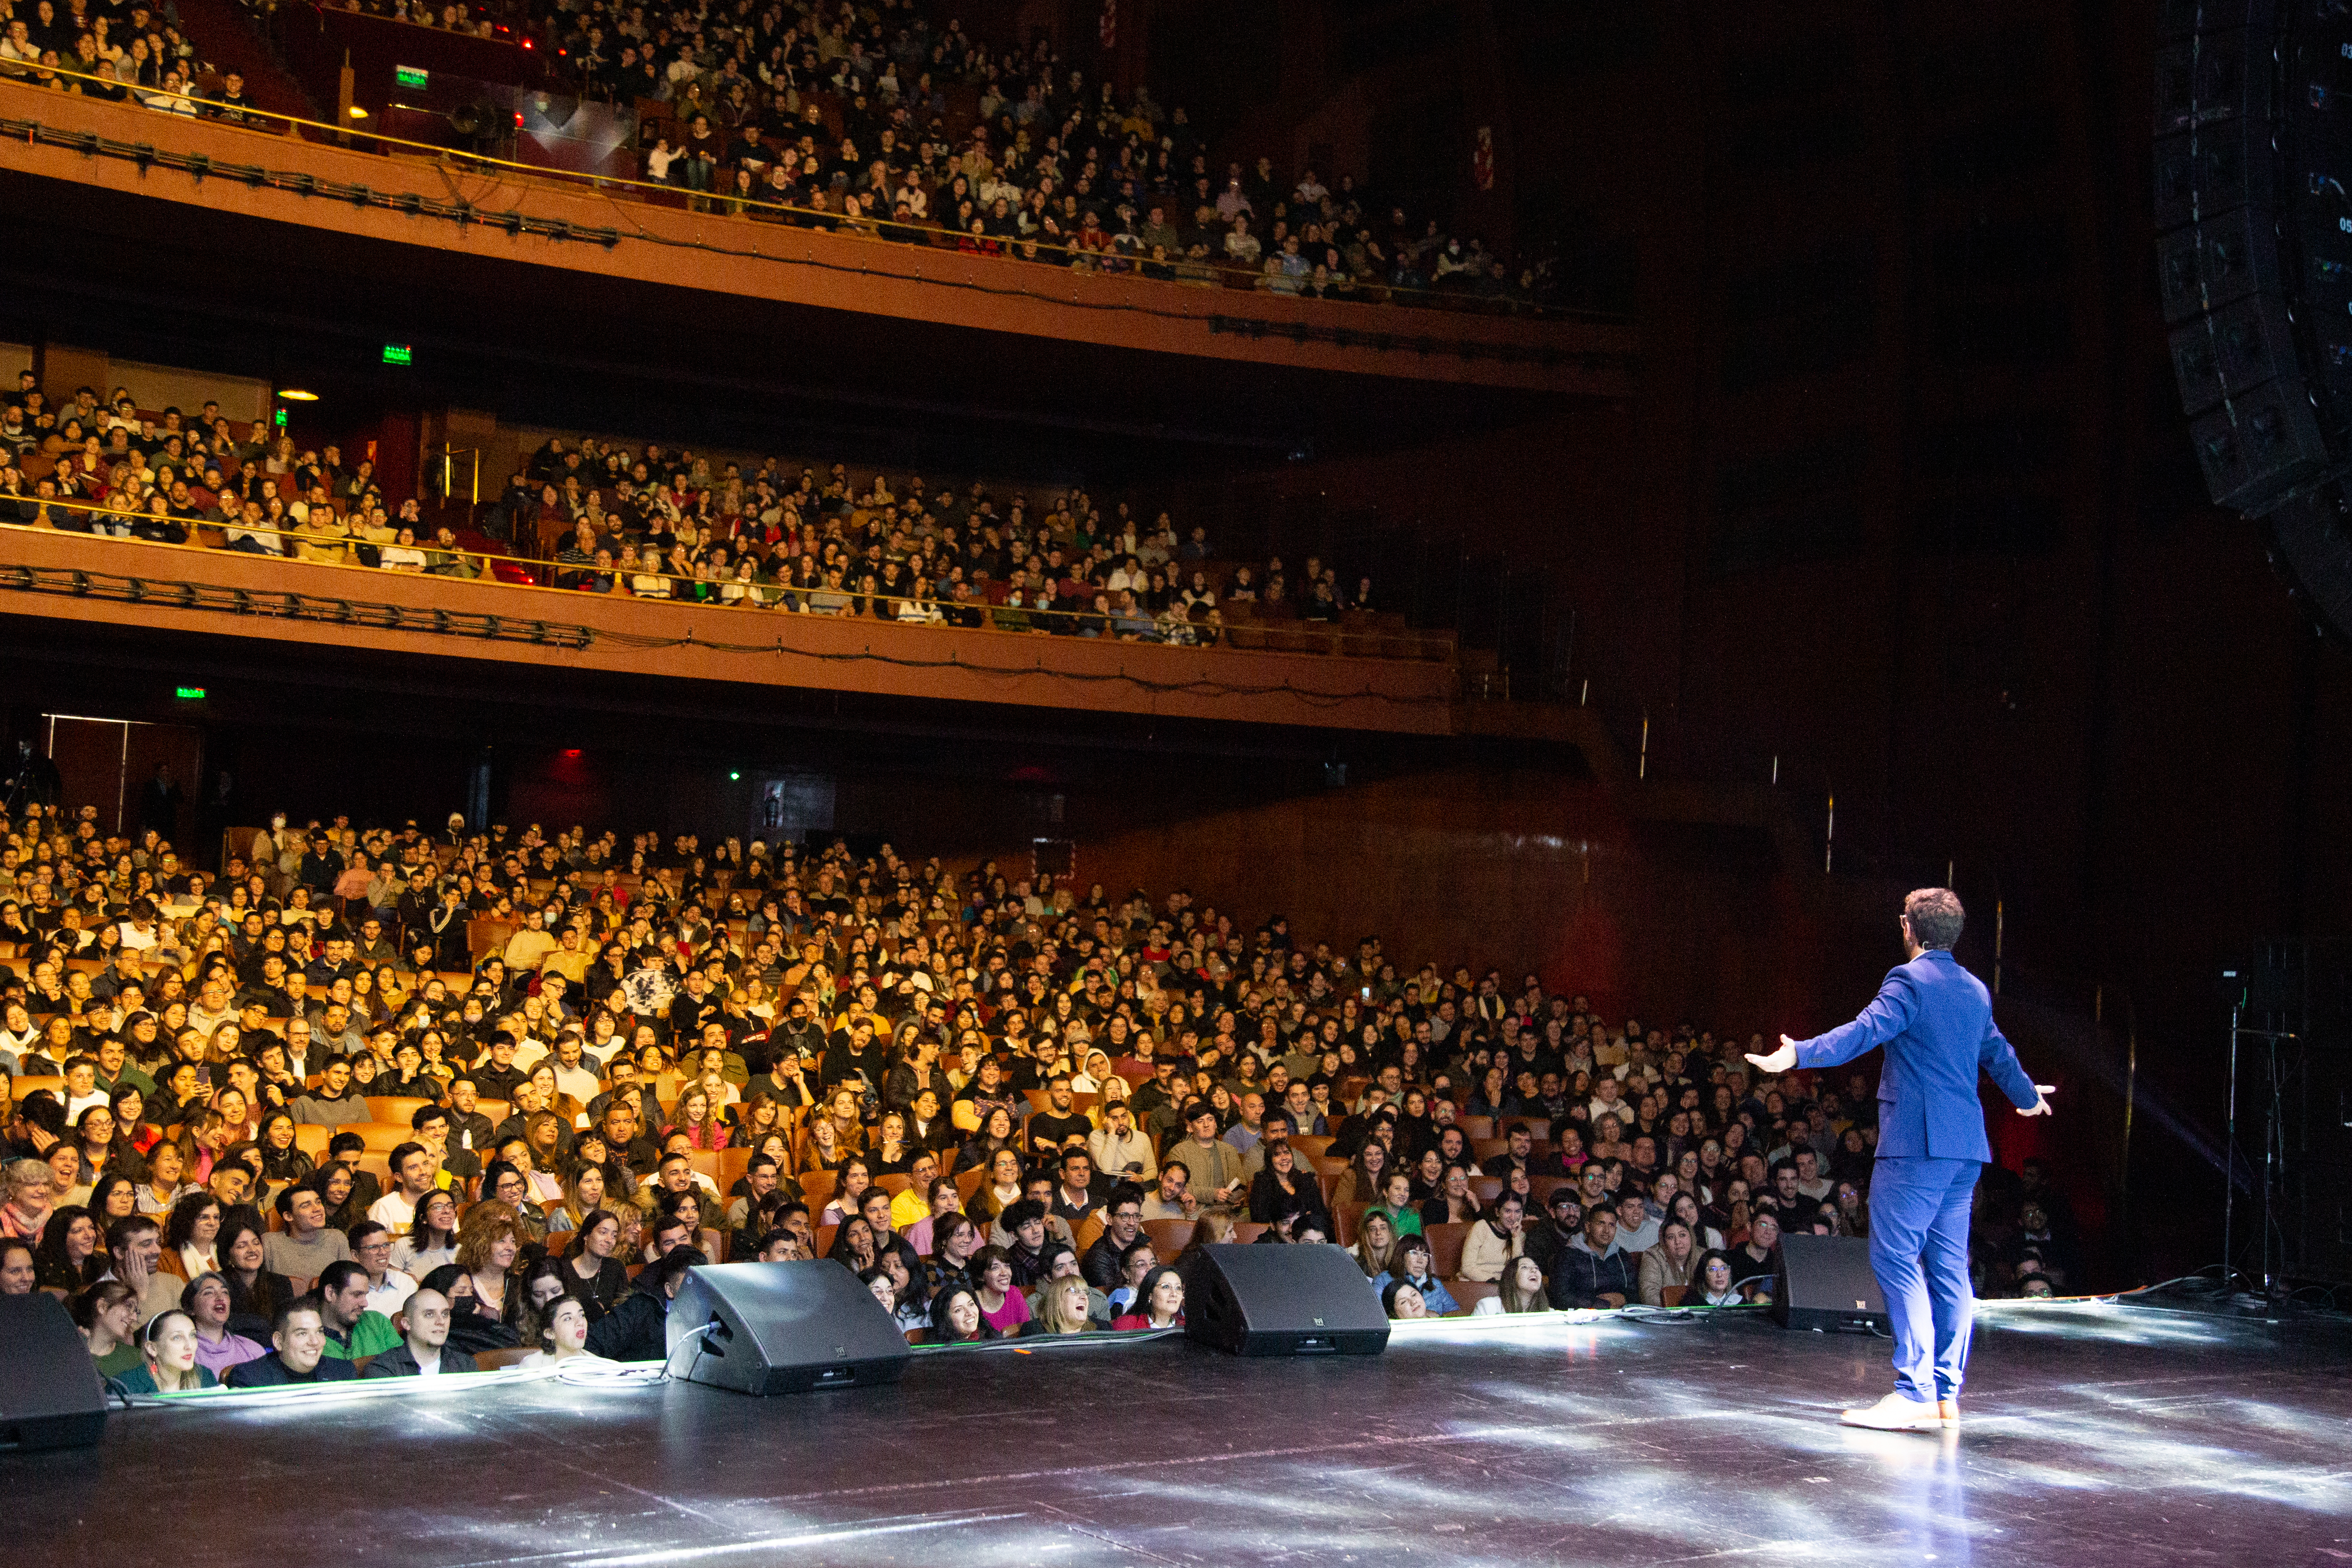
point(1888, 1014)
point(1998, 1057)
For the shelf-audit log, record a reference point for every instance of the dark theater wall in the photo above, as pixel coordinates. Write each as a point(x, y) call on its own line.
point(1906, 499)
point(1525, 870)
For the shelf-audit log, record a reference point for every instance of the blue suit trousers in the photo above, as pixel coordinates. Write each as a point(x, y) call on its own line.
point(1920, 1251)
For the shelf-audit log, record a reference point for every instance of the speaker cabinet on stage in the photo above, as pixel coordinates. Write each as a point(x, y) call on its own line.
point(1283, 1300)
point(1825, 1282)
point(781, 1328)
point(50, 1393)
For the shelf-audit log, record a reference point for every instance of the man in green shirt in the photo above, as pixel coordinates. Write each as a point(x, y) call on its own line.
point(354, 1332)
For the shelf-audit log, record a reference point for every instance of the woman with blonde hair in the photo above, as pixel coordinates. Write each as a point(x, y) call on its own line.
point(167, 1348)
point(1375, 1239)
point(1060, 1308)
point(846, 1110)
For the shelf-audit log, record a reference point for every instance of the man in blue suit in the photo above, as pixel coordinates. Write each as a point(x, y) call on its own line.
point(1935, 1019)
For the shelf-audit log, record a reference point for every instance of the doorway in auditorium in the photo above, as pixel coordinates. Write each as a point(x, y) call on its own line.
point(112, 765)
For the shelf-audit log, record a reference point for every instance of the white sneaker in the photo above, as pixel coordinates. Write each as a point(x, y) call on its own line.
point(1897, 1413)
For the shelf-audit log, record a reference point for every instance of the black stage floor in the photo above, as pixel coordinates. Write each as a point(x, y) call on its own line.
point(2095, 1435)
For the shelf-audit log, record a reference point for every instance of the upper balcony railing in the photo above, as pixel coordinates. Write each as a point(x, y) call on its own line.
point(1256, 315)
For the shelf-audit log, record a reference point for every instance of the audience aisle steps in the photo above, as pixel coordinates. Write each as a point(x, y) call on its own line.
point(226, 38)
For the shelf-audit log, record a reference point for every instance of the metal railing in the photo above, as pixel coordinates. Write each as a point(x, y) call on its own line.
point(1207, 272)
point(346, 548)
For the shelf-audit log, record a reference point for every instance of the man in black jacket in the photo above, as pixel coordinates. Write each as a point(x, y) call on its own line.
point(1563, 1223)
point(424, 1348)
point(299, 1334)
point(1122, 1224)
point(1592, 1272)
point(638, 1328)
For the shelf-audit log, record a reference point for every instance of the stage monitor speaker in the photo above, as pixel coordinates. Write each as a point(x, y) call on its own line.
point(783, 1328)
point(1283, 1300)
point(1825, 1282)
point(50, 1393)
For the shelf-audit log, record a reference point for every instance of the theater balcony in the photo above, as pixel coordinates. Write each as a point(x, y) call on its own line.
point(503, 632)
point(344, 214)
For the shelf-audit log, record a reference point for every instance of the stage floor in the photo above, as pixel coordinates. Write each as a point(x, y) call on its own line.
point(2095, 1435)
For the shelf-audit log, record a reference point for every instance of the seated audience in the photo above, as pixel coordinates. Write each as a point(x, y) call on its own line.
point(756, 986)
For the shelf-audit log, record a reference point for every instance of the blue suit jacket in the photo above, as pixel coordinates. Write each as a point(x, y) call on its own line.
point(1935, 1019)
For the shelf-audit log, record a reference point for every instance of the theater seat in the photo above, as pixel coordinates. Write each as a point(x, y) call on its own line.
point(817, 1189)
point(1168, 1237)
point(1446, 1242)
point(494, 1361)
point(1469, 1293)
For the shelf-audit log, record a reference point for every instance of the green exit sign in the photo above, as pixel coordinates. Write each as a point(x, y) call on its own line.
point(412, 76)
point(399, 354)
point(189, 693)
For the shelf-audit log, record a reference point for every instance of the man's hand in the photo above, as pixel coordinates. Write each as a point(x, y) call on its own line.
point(2040, 1106)
point(1779, 1061)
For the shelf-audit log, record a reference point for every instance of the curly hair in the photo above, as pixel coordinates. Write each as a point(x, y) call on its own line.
point(1936, 917)
point(482, 1227)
